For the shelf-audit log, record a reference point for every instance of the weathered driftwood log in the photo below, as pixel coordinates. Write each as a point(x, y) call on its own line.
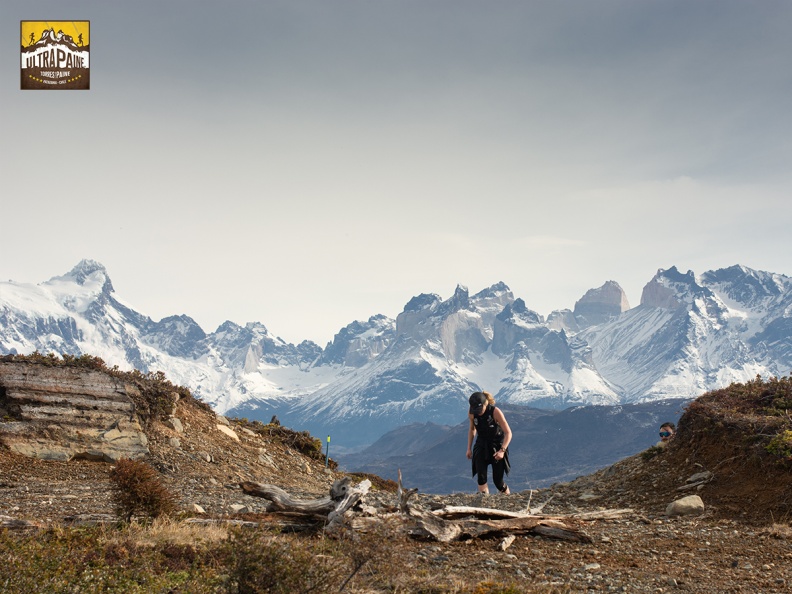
point(343, 496)
point(432, 526)
point(281, 501)
point(451, 512)
point(444, 525)
point(485, 523)
point(351, 496)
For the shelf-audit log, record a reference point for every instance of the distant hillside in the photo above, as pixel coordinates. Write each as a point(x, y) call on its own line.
point(547, 447)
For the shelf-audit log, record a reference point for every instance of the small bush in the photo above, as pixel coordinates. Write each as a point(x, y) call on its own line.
point(781, 445)
point(300, 441)
point(647, 455)
point(138, 489)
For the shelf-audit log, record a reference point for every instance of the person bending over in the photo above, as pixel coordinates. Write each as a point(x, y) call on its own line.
point(493, 436)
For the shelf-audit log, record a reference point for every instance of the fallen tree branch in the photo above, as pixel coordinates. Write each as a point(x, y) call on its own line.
point(282, 501)
point(429, 525)
point(351, 495)
point(404, 495)
point(451, 512)
point(444, 525)
point(343, 496)
point(485, 513)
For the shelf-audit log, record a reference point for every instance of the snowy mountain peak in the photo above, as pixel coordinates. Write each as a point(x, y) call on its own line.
point(599, 305)
point(87, 272)
point(460, 300)
point(518, 310)
point(491, 301)
point(359, 342)
point(747, 286)
point(670, 289)
point(422, 301)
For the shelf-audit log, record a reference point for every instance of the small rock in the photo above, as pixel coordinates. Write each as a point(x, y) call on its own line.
point(175, 424)
point(589, 496)
point(198, 509)
point(228, 431)
point(692, 504)
point(699, 477)
point(591, 566)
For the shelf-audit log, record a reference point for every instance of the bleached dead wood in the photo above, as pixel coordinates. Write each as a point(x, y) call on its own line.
point(461, 523)
point(506, 542)
point(429, 525)
point(281, 501)
point(343, 496)
point(448, 524)
point(351, 495)
point(602, 514)
point(404, 495)
point(452, 512)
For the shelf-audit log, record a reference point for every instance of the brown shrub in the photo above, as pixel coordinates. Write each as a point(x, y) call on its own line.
point(138, 489)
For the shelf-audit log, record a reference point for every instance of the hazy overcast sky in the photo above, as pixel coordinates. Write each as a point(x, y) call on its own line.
point(308, 163)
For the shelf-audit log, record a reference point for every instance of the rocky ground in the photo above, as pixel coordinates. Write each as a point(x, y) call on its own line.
point(742, 541)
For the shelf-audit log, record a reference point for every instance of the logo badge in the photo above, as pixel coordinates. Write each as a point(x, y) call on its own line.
point(55, 55)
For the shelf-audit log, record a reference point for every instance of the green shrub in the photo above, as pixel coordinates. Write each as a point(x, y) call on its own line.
point(651, 453)
point(781, 445)
point(300, 441)
point(138, 489)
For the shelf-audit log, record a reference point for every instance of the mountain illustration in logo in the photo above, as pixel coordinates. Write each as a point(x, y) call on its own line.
point(50, 37)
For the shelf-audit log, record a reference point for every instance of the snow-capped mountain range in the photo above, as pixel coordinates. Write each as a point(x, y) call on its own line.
point(690, 334)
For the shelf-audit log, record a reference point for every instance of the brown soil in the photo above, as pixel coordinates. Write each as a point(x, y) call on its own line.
point(741, 543)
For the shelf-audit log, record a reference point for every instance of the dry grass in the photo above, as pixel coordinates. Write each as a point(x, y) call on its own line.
point(780, 531)
point(163, 531)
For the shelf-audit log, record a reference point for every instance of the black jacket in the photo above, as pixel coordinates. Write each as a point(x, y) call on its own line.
point(489, 439)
